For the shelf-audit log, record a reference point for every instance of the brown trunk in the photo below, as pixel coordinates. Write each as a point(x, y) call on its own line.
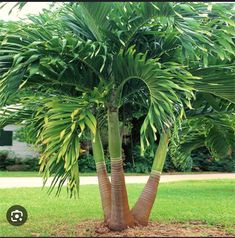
point(105, 189)
point(141, 210)
point(121, 216)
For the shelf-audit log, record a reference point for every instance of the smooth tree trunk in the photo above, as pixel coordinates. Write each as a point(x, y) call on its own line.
point(103, 179)
point(121, 216)
point(142, 209)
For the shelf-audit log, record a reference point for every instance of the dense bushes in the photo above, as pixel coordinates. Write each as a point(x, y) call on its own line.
point(3, 158)
point(200, 160)
point(143, 164)
point(135, 164)
point(9, 161)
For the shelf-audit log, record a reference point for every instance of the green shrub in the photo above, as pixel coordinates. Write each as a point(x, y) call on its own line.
point(86, 163)
point(3, 158)
point(184, 166)
point(199, 161)
point(9, 161)
point(140, 164)
point(32, 163)
point(202, 161)
point(169, 166)
point(228, 165)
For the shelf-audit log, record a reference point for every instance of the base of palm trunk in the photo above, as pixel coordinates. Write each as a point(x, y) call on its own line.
point(121, 216)
point(142, 209)
point(105, 190)
point(120, 226)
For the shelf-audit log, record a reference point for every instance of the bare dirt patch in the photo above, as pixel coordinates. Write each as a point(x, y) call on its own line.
point(154, 229)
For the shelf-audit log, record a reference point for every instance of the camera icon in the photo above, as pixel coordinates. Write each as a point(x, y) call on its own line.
point(16, 215)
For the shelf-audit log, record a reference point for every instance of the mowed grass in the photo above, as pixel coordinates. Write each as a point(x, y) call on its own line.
point(19, 174)
point(210, 201)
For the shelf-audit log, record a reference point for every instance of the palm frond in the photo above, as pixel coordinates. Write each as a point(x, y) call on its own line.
point(215, 131)
point(217, 80)
point(168, 85)
point(64, 124)
point(45, 56)
point(87, 20)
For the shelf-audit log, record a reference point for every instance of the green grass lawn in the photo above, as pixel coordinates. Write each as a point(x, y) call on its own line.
point(18, 174)
point(210, 201)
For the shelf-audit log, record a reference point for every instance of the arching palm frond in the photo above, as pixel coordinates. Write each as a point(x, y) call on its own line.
point(169, 87)
point(14, 114)
point(87, 20)
point(57, 123)
point(210, 123)
point(206, 104)
point(64, 124)
point(215, 131)
point(44, 56)
point(217, 80)
point(165, 29)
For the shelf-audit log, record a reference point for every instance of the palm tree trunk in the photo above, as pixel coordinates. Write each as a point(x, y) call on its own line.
point(142, 209)
point(103, 179)
point(121, 216)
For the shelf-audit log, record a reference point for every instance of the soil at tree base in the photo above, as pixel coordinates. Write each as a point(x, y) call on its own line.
point(94, 228)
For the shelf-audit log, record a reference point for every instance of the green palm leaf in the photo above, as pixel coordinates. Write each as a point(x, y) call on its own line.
point(168, 85)
point(64, 124)
point(215, 131)
point(217, 80)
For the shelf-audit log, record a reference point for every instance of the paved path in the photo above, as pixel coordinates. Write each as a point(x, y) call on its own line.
point(37, 181)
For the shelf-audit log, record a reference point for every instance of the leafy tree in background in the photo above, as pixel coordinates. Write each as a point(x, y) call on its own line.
point(70, 71)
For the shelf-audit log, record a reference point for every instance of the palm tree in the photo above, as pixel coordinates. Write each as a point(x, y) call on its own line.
point(73, 69)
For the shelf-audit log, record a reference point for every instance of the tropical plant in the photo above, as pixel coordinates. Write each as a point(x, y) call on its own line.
point(72, 70)
point(211, 124)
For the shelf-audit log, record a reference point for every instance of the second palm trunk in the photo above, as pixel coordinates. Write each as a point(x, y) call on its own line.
point(103, 179)
point(142, 209)
point(121, 216)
